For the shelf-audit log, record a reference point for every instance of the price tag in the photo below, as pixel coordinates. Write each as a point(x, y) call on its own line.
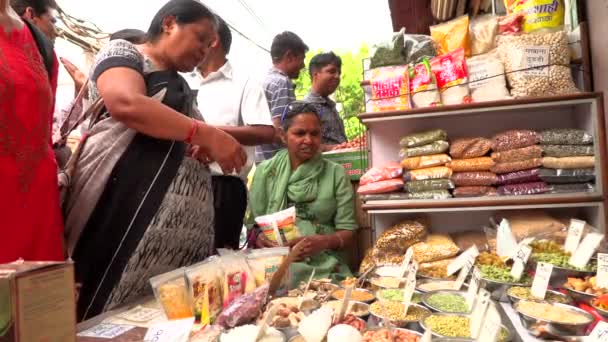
point(575, 232)
point(541, 280)
point(602, 270)
point(171, 331)
point(599, 333)
point(586, 249)
point(406, 261)
point(519, 261)
point(505, 241)
point(481, 306)
point(140, 314)
point(345, 300)
point(410, 285)
point(491, 325)
point(106, 330)
point(473, 288)
point(428, 335)
point(269, 316)
point(464, 272)
point(459, 262)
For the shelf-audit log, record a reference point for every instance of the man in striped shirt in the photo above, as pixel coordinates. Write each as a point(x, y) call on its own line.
point(288, 52)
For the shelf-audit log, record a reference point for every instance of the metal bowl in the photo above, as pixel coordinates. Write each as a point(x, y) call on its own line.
point(308, 305)
point(498, 289)
point(426, 281)
point(514, 299)
point(377, 285)
point(391, 271)
point(412, 325)
point(560, 328)
point(460, 338)
point(416, 293)
point(423, 276)
point(600, 311)
point(560, 275)
point(333, 295)
point(580, 296)
point(363, 308)
point(417, 333)
point(426, 296)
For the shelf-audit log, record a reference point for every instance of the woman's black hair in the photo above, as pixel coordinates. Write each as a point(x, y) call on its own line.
point(184, 11)
point(131, 35)
point(294, 109)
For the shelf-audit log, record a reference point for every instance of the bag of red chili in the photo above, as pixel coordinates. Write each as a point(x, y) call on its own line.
point(450, 71)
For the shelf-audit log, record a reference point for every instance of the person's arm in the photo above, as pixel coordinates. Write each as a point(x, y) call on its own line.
point(250, 135)
point(79, 78)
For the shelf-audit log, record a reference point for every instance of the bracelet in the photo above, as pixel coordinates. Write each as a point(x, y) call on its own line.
point(192, 132)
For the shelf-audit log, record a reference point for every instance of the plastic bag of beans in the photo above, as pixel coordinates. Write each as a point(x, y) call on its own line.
point(568, 162)
point(518, 154)
point(570, 188)
point(513, 139)
point(435, 147)
point(563, 176)
point(526, 176)
point(470, 147)
point(437, 172)
point(429, 184)
point(472, 164)
point(474, 191)
point(568, 150)
point(479, 178)
point(430, 194)
point(516, 166)
point(421, 162)
point(423, 138)
point(523, 189)
point(567, 136)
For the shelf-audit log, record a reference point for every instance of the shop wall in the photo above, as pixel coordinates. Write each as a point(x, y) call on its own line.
point(414, 15)
point(597, 12)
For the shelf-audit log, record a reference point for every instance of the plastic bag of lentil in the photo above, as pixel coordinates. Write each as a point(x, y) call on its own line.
point(472, 164)
point(562, 176)
point(572, 187)
point(436, 147)
point(430, 194)
point(517, 166)
point(525, 176)
point(465, 240)
point(421, 162)
point(568, 162)
point(423, 138)
point(568, 150)
point(474, 191)
point(523, 189)
point(401, 236)
point(518, 154)
point(510, 140)
point(479, 178)
point(429, 184)
point(437, 172)
point(435, 247)
point(566, 136)
point(470, 147)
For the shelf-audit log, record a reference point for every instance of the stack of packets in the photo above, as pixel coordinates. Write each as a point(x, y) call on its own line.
point(423, 158)
point(381, 179)
point(471, 167)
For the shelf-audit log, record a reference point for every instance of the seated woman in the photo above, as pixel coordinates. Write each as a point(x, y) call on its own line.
point(319, 189)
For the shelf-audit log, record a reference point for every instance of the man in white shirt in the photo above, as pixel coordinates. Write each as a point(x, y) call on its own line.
point(235, 103)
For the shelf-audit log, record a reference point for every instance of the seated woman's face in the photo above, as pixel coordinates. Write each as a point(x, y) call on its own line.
point(188, 44)
point(303, 137)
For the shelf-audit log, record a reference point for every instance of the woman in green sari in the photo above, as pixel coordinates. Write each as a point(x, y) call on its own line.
point(319, 189)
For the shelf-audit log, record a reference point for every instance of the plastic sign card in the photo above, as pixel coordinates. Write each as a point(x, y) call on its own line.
point(491, 326)
point(406, 261)
point(473, 288)
point(541, 280)
point(410, 285)
point(519, 260)
point(462, 259)
point(575, 233)
point(505, 241)
point(586, 249)
point(479, 311)
point(171, 331)
point(599, 333)
point(602, 270)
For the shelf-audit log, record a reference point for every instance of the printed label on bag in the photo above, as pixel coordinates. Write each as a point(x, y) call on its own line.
point(536, 61)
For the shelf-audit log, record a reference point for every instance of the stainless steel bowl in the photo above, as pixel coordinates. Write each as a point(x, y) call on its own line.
point(412, 325)
point(376, 285)
point(461, 338)
point(428, 295)
point(498, 289)
point(513, 299)
point(560, 328)
point(333, 294)
point(602, 312)
point(416, 294)
point(426, 281)
point(423, 276)
point(560, 275)
point(417, 333)
point(580, 296)
point(361, 307)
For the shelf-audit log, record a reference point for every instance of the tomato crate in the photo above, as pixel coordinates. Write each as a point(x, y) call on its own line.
point(354, 161)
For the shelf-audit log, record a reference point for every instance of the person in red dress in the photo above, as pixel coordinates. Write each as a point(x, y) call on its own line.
point(31, 224)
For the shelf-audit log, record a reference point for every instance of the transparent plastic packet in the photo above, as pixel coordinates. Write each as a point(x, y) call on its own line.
point(384, 197)
point(385, 171)
point(452, 35)
point(474, 191)
point(421, 162)
point(265, 262)
point(390, 52)
point(534, 188)
point(429, 195)
point(564, 176)
point(464, 148)
point(418, 46)
point(560, 151)
point(423, 138)
point(388, 89)
point(532, 223)
point(381, 187)
point(565, 136)
point(482, 34)
point(437, 172)
point(244, 309)
point(205, 289)
point(279, 227)
point(402, 235)
point(171, 292)
point(569, 162)
point(435, 247)
point(467, 239)
point(471, 164)
point(518, 154)
point(539, 16)
point(478, 178)
point(502, 168)
point(514, 139)
point(525, 176)
point(428, 185)
point(436, 147)
point(571, 188)
point(237, 278)
point(487, 80)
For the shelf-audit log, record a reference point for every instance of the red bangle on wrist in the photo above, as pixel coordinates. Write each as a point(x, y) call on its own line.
point(192, 132)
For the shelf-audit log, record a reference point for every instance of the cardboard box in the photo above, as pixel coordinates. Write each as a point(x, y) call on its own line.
point(37, 302)
point(354, 162)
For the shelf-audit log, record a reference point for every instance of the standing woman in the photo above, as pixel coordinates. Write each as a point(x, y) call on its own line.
point(140, 204)
point(31, 224)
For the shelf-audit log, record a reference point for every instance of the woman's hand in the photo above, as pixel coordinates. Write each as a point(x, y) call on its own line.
point(78, 76)
point(221, 147)
point(195, 152)
point(313, 245)
point(263, 242)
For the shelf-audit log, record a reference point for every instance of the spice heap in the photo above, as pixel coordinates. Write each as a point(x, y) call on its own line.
point(455, 326)
point(526, 294)
point(550, 312)
point(395, 311)
point(448, 302)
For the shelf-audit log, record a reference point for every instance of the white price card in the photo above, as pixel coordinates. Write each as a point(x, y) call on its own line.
point(464, 272)
point(171, 331)
point(427, 336)
point(519, 261)
point(462, 259)
point(473, 288)
point(575, 232)
point(491, 325)
point(406, 261)
point(140, 314)
point(505, 241)
point(586, 249)
point(541, 280)
point(106, 330)
point(410, 285)
point(602, 270)
point(599, 333)
point(479, 311)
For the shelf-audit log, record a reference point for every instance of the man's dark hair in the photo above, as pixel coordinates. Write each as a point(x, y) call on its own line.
point(286, 41)
point(184, 11)
point(131, 35)
point(322, 60)
point(40, 7)
point(223, 32)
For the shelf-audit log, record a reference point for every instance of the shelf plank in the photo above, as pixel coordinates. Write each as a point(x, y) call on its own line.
point(481, 106)
point(499, 201)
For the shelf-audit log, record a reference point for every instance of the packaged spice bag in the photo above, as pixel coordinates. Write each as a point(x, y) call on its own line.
point(525, 176)
point(470, 147)
point(523, 189)
point(429, 185)
point(279, 227)
point(389, 89)
point(560, 151)
point(538, 15)
point(482, 34)
point(518, 154)
point(423, 86)
point(567, 136)
point(205, 286)
point(237, 277)
point(423, 138)
point(474, 191)
point(265, 262)
point(435, 147)
point(171, 292)
point(451, 74)
point(429, 195)
point(501, 168)
point(569, 162)
point(513, 139)
point(435, 247)
point(437, 172)
point(479, 178)
point(452, 35)
point(381, 187)
point(563, 176)
point(471, 164)
point(386, 171)
point(421, 162)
